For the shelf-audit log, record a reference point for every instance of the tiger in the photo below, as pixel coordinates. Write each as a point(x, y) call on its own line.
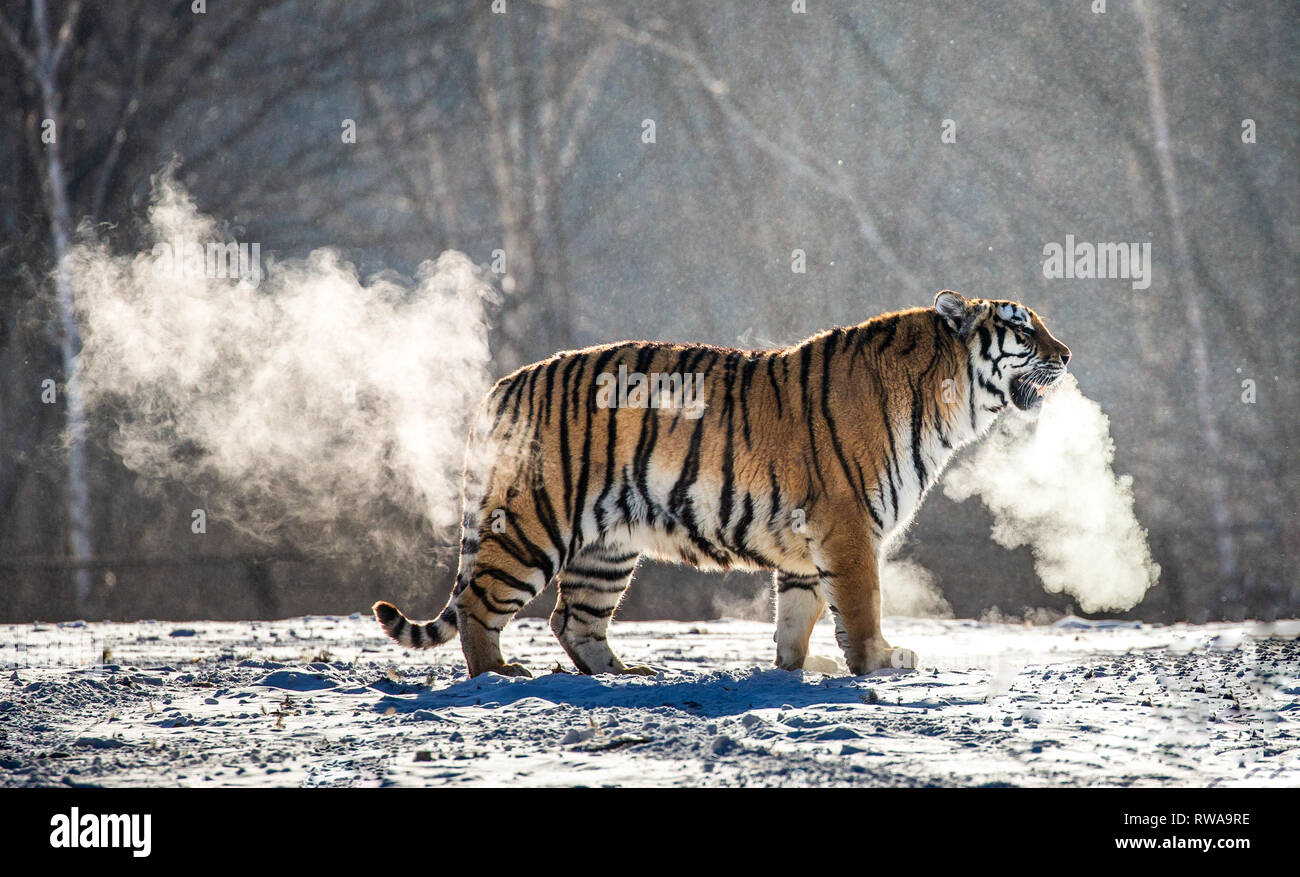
point(803, 460)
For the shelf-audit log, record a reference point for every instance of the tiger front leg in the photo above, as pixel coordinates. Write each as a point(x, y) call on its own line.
point(852, 577)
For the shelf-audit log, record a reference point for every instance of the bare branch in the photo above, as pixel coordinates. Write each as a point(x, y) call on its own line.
point(795, 155)
point(16, 45)
point(65, 35)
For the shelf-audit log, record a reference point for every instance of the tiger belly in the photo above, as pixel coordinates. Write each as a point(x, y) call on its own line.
point(690, 528)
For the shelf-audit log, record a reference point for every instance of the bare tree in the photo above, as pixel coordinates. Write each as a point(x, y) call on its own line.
point(42, 64)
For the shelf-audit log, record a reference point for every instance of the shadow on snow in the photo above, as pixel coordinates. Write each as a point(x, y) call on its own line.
point(721, 693)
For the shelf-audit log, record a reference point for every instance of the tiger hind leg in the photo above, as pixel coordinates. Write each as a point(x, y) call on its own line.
point(501, 585)
point(591, 587)
point(799, 603)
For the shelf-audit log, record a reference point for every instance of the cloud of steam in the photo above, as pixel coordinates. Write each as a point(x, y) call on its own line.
point(1049, 485)
point(312, 407)
point(759, 606)
point(907, 588)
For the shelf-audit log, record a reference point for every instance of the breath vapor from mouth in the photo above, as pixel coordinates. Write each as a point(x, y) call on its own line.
point(314, 407)
point(1050, 485)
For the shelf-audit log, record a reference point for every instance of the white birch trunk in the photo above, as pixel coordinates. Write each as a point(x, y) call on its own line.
point(79, 522)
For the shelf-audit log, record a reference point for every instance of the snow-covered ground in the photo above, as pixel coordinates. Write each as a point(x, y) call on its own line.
point(325, 701)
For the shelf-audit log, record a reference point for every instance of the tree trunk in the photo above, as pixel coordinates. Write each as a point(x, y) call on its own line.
point(79, 540)
point(1185, 286)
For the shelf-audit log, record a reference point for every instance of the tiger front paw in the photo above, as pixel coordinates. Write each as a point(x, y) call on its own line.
point(882, 658)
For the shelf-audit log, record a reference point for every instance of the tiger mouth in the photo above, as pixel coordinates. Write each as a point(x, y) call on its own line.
point(1027, 390)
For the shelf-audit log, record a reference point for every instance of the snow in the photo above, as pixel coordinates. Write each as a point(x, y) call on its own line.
point(327, 701)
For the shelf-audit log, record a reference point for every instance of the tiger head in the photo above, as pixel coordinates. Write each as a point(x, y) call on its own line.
point(1013, 355)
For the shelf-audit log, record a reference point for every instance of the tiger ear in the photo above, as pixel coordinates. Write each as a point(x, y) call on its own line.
point(957, 311)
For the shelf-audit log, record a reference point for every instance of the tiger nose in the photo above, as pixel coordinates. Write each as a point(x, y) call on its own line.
point(1065, 356)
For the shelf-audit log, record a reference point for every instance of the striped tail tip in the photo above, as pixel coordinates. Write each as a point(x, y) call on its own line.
point(415, 634)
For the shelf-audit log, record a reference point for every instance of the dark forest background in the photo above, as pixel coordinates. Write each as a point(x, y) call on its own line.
point(774, 131)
